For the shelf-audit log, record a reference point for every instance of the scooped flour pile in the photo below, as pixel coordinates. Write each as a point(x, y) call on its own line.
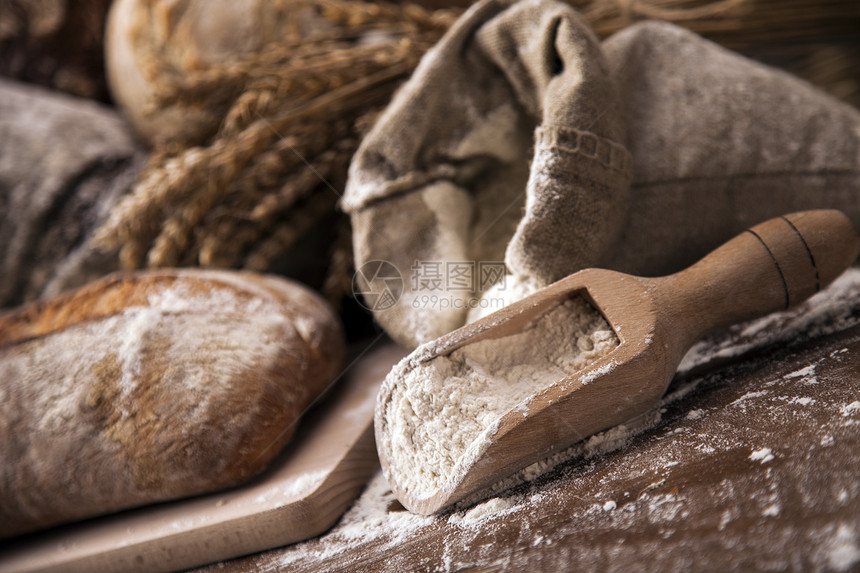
point(441, 412)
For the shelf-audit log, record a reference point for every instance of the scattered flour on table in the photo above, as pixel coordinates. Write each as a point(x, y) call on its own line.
point(302, 484)
point(442, 413)
point(695, 414)
point(372, 520)
point(369, 518)
point(849, 409)
point(773, 510)
point(490, 508)
point(799, 400)
point(748, 395)
point(802, 373)
point(763, 455)
point(841, 551)
point(604, 442)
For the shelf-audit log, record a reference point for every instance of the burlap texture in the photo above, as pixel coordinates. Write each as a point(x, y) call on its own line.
point(443, 175)
point(520, 138)
point(720, 143)
point(64, 164)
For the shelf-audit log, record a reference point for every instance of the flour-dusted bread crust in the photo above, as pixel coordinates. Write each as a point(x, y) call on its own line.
point(153, 386)
point(149, 43)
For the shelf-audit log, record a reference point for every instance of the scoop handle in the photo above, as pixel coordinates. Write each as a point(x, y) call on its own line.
point(769, 267)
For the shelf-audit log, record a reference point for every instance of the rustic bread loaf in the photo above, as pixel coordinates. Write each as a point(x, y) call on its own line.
point(151, 43)
point(153, 386)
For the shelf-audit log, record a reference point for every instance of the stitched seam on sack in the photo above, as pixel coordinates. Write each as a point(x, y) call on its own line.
point(585, 144)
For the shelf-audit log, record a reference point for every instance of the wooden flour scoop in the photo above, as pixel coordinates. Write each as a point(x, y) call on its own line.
point(770, 267)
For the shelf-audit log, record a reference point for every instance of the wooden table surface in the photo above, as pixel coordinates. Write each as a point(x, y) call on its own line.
point(751, 462)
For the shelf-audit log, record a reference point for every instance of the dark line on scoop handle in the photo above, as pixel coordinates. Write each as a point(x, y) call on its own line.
point(808, 252)
point(776, 264)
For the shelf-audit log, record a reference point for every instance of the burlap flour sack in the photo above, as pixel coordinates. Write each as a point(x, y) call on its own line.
point(520, 139)
point(442, 177)
point(65, 163)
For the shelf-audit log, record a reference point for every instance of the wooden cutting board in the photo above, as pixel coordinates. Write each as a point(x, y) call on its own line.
point(303, 494)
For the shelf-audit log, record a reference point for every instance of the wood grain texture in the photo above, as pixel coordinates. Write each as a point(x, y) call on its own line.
point(693, 489)
point(774, 265)
point(153, 386)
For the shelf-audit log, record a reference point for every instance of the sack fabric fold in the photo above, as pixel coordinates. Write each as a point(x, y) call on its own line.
point(521, 138)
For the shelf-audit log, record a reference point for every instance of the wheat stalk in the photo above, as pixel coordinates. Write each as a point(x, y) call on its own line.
point(270, 159)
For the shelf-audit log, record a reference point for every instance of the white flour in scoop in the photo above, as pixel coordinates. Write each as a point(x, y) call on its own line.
point(441, 413)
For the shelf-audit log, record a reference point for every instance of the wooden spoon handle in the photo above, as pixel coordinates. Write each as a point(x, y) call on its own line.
point(769, 267)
